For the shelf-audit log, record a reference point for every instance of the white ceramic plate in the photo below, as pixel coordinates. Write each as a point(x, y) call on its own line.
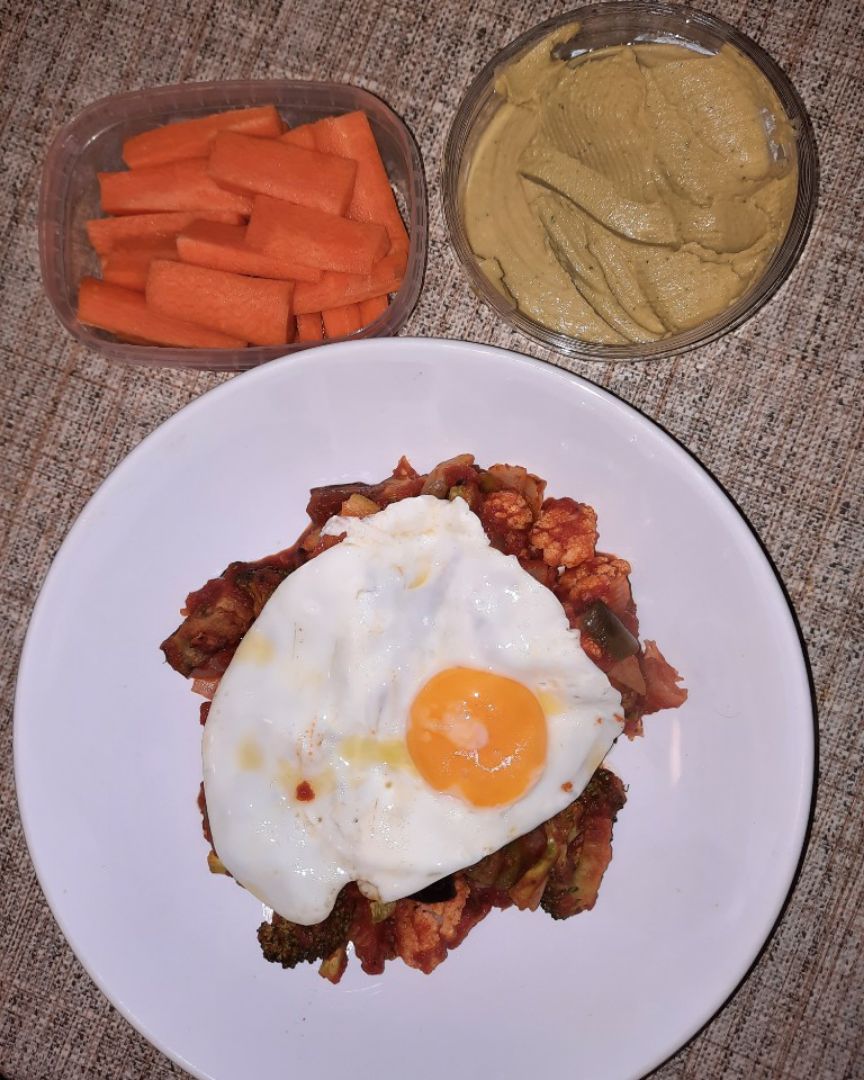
point(107, 736)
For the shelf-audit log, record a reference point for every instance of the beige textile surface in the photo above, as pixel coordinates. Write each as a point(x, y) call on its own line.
point(775, 411)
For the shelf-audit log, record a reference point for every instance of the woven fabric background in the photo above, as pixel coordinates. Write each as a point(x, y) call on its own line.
point(775, 411)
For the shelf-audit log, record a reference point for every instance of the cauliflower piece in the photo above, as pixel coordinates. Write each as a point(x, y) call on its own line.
point(506, 510)
point(603, 577)
point(516, 478)
point(424, 932)
point(507, 517)
point(565, 532)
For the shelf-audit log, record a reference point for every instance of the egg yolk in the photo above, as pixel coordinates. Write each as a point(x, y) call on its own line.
point(478, 735)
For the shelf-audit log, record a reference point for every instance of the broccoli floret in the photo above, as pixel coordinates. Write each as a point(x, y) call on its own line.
point(289, 944)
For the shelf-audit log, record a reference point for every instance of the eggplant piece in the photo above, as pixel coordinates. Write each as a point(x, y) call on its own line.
point(609, 632)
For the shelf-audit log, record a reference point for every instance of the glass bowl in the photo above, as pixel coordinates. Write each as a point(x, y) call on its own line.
point(604, 25)
point(92, 142)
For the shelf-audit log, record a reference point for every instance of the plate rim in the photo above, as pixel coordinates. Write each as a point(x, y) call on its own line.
point(494, 354)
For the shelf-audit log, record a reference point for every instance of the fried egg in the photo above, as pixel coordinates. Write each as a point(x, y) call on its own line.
point(405, 704)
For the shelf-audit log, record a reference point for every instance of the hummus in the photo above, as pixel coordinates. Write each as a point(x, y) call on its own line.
point(632, 192)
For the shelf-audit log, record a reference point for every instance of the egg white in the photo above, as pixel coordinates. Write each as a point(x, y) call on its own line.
point(320, 689)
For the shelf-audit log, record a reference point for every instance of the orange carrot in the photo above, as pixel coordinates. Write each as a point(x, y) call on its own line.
point(125, 312)
point(342, 321)
point(272, 167)
point(246, 307)
point(309, 327)
point(192, 138)
point(222, 247)
point(373, 307)
point(179, 185)
point(154, 244)
point(106, 234)
point(351, 136)
point(335, 289)
point(304, 136)
point(128, 266)
point(286, 231)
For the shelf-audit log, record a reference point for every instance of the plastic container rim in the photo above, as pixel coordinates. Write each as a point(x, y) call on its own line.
point(180, 101)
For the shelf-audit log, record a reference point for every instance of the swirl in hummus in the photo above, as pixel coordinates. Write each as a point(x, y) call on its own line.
point(632, 192)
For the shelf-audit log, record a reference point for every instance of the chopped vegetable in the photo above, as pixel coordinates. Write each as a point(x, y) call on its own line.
point(205, 687)
point(663, 691)
point(372, 308)
point(309, 327)
point(219, 614)
point(252, 308)
point(223, 247)
point(304, 136)
point(351, 136)
point(286, 231)
point(191, 138)
point(627, 673)
point(106, 234)
point(357, 505)
point(583, 834)
point(565, 532)
point(335, 289)
point(215, 864)
point(125, 312)
point(516, 478)
point(282, 170)
point(333, 967)
point(381, 911)
point(180, 185)
point(609, 632)
point(128, 266)
point(464, 491)
point(342, 321)
point(289, 944)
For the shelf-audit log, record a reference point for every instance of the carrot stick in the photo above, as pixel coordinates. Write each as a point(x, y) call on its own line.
point(222, 247)
point(309, 327)
point(351, 136)
point(373, 307)
point(335, 289)
point(246, 307)
point(272, 167)
point(128, 266)
point(105, 234)
point(179, 185)
point(139, 244)
point(342, 321)
point(125, 312)
point(287, 231)
point(304, 136)
point(192, 138)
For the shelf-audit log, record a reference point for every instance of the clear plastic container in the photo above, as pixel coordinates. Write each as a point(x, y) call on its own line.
point(621, 23)
point(92, 143)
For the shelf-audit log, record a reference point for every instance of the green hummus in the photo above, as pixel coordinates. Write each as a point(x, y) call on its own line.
point(632, 192)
